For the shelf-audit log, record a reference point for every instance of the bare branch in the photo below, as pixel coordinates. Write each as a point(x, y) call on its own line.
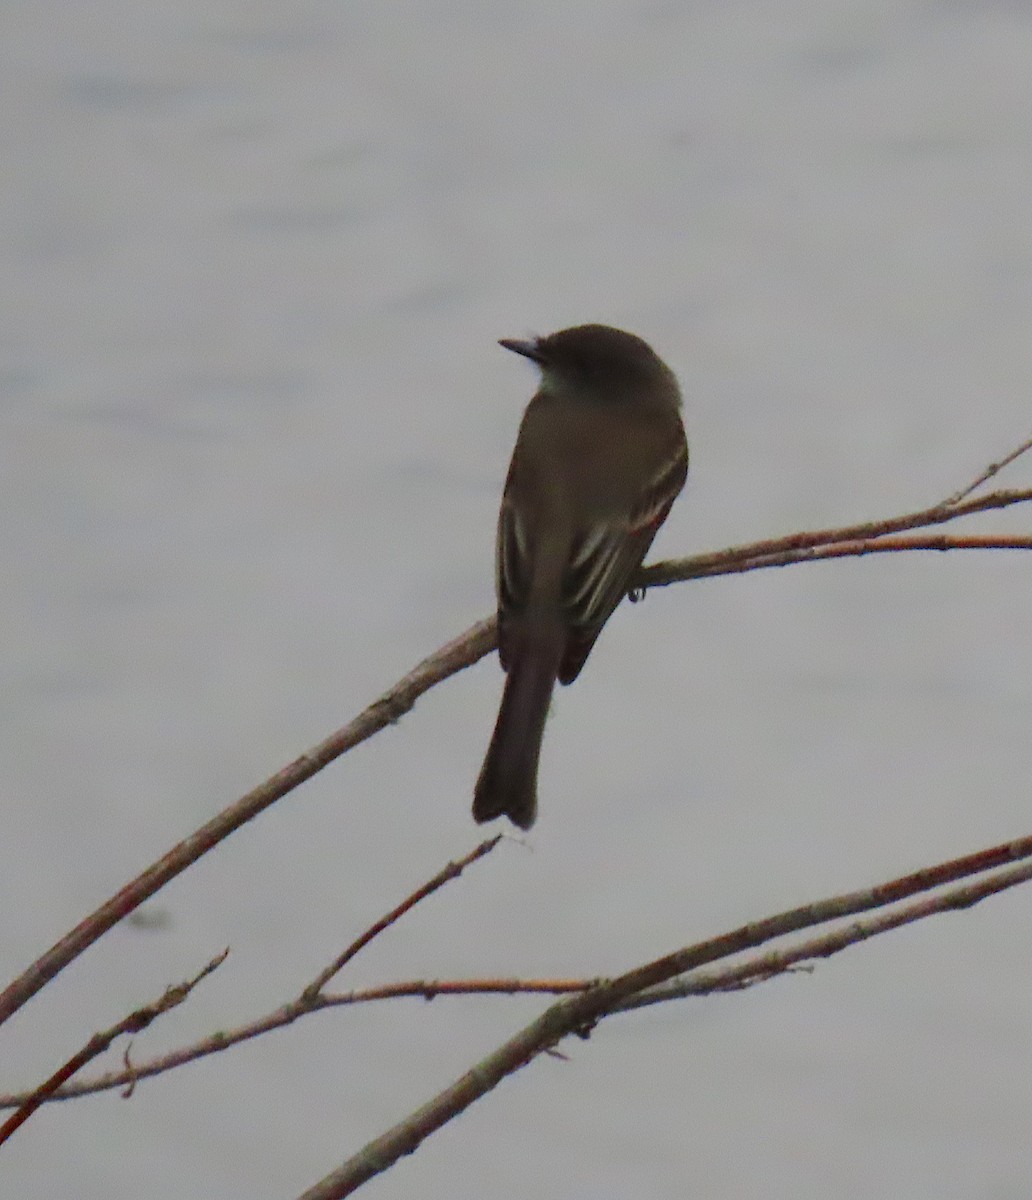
point(760, 968)
point(991, 470)
point(452, 871)
point(756, 554)
point(287, 1014)
point(133, 1023)
point(477, 641)
point(390, 707)
point(310, 999)
point(579, 1014)
point(837, 908)
point(857, 549)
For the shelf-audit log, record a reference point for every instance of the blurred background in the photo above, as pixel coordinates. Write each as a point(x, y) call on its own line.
point(253, 433)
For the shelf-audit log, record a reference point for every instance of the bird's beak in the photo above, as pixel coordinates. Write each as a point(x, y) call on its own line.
point(529, 349)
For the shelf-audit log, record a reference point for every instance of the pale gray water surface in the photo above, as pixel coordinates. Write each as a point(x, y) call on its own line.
point(254, 427)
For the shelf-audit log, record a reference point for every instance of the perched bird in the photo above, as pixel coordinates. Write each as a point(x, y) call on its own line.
point(600, 457)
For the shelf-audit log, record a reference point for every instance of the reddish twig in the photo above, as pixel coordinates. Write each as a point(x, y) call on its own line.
point(579, 1014)
point(133, 1023)
point(390, 707)
point(761, 967)
point(991, 470)
point(452, 871)
point(836, 908)
point(857, 549)
point(757, 554)
point(310, 999)
point(294, 1010)
point(456, 655)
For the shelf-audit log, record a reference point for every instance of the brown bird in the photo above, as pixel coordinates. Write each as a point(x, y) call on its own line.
point(600, 457)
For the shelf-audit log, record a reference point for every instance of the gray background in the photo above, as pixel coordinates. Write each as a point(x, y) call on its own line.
point(255, 258)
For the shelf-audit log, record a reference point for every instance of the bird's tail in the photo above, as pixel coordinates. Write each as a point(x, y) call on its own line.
point(507, 785)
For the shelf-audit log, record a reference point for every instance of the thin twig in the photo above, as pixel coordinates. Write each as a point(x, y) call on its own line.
point(390, 707)
point(477, 641)
point(836, 908)
point(309, 1000)
point(579, 1014)
point(757, 554)
point(761, 967)
point(133, 1023)
point(452, 871)
point(858, 549)
point(294, 1010)
point(991, 470)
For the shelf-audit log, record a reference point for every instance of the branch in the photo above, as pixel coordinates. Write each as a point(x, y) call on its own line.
point(287, 1014)
point(452, 871)
point(579, 1014)
point(761, 967)
point(756, 554)
point(465, 650)
point(389, 708)
point(849, 549)
point(133, 1023)
point(836, 908)
point(991, 470)
point(310, 1000)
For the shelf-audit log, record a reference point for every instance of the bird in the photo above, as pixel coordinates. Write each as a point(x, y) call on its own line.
point(600, 457)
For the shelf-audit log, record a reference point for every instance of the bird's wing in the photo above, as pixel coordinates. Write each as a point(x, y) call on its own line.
point(605, 557)
point(512, 565)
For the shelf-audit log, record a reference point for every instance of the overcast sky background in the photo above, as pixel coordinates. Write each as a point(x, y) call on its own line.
point(254, 427)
